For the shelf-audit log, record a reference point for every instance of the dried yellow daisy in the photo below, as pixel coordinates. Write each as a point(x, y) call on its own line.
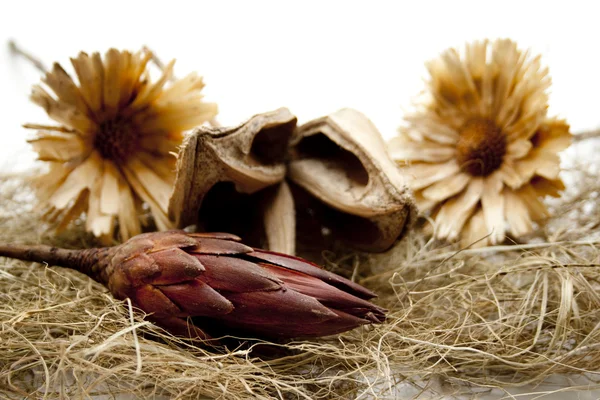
point(480, 150)
point(114, 149)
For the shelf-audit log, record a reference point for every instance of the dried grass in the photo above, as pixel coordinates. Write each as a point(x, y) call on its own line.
point(504, 316)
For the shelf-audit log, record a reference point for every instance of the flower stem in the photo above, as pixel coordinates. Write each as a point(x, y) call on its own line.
point(34, 60)
point(88, 261)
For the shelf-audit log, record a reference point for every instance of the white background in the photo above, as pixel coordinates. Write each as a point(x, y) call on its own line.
point(310, 56)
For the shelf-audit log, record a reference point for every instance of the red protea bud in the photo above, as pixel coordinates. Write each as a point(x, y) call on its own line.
point(206, 283)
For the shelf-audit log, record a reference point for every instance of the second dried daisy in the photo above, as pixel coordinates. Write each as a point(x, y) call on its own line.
point(480, 150)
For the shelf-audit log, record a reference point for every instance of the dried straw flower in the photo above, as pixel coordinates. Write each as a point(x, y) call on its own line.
point(113, 150)
point(206, 284)
point(481, 151)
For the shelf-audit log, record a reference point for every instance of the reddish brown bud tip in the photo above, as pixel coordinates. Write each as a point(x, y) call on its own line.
point(216, 235)
point(218, 247)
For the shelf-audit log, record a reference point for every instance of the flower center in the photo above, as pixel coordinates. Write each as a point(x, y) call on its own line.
point(481, 147)
point(115, 139)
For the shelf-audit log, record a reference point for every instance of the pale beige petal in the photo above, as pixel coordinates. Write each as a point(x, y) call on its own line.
point(553, 136)
point(129, 223)
point(154, 185)
point(505, 57)
point(109, 191)
point(58, 146)
point(421, 175)
point(97, 82)
point(446, 188)
point(159, 214)
point(455, 211)
point(401, 149)
point(548, 187)
point(475, 234)
point(191, 83)
point(112, 91)
point(518, 149)
point(424, 204)
point(525, 127)
point(90, 74)
point(536, 208)
point(177, 116)
point(78, 207)
point(431, 128)
point(492, 204)
point(140, 61)
point(66, 90)
point(540, 163)
point(82, 177)
point(51, 128)
point(516, 213)
point(98, 223)
point(510, 176)
point(62, 112)
point(163, 166)
point(160, 145)
point(126, 78)
point(151, 92)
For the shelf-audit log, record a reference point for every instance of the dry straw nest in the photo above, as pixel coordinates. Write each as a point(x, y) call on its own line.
point(495, 316)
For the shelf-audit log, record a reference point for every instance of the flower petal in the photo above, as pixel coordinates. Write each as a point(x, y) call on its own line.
point(492, 203)
point(455, 212)
point(401, 149)
point(516, 213)
point(66, 90)
point(547, 187)
point(109, 192)
point(442, 190)
point(90, 73)
point(129, 223)
point(112, 91)
point(82, 177)
point(158, 212)
point(518, 149)
point(430, 127)
point(62, 112)
point(539, 162)
point(57, 146)
point(151, 92)
point(475, 232)
point(510, 176)
point(97, 222)
point(154, 184)
point(423, 174)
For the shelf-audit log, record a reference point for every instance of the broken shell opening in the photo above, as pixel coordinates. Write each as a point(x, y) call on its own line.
point(224, 209)
point(270, 144)
point(319, 146)
point(319, 225)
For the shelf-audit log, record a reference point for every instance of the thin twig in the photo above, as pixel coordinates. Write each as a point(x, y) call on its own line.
point(35, 61)
point(158, 62)
point(578, 137)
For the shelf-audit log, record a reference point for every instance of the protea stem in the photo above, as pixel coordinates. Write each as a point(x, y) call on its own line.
point(88, 261)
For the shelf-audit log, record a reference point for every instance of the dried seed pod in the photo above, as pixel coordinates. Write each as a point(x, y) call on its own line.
point(222, 174)
point(341, 160)
point(205, 283)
